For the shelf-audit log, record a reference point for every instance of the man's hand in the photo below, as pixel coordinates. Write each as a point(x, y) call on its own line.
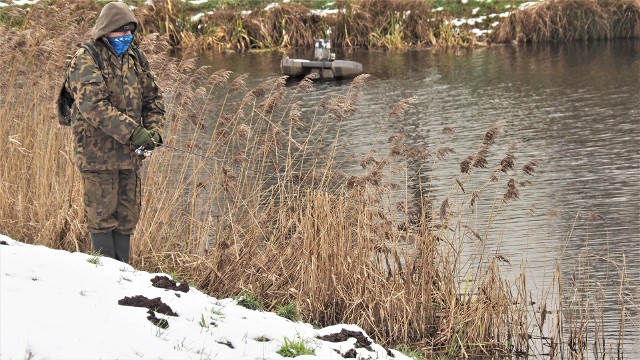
point(142, 137)
point(156, 137)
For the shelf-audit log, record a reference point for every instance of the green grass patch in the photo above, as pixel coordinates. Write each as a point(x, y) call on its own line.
point(289, 311)
point(94, 258)
point(250, 301)
point(410, 352)
point(293, 348)
point(12, 17)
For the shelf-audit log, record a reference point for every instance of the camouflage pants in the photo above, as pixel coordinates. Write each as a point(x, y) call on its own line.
point(112, 200)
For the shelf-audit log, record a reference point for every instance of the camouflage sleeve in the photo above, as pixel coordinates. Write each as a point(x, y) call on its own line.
point(92, 97)
point(152, 104)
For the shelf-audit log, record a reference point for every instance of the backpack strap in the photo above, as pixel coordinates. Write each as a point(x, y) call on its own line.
point(142, 59)
point(90, 46)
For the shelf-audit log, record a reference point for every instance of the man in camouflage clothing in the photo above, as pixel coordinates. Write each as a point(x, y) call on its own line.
point(116, 110)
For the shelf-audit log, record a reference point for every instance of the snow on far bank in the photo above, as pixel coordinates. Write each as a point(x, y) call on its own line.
point(17, 2)
point(529, 4)
point(325, 12)
point(193, 2)
point(60, 305)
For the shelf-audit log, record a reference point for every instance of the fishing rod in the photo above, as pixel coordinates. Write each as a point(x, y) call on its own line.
point(144, 152)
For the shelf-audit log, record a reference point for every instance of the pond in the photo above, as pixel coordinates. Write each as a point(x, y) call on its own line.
point(574, 108)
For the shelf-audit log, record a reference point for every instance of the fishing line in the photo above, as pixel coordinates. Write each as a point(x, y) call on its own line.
point(269, 177)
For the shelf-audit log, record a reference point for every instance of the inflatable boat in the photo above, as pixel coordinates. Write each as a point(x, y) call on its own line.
point(323, 64)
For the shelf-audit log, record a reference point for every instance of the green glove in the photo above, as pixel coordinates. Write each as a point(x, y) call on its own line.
point(156, 137)
point(142, 137)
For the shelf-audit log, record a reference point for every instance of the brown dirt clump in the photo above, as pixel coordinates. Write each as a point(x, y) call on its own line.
point(351, 354)
point(344, 335)
point(161, 323)
point(154, 304)
point(164, 282)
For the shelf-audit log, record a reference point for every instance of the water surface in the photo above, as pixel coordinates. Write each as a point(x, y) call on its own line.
point(574, 108)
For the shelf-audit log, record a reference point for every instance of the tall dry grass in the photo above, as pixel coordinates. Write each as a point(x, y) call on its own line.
point(358, 23)
point(35, 207)
point(247, 196)
point(387, 25)
point(571, 20)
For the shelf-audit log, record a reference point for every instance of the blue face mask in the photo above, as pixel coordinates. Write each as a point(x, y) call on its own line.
point(120, 44)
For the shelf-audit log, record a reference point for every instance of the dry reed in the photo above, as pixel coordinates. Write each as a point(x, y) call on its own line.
point(359, 23)
point(571, 20)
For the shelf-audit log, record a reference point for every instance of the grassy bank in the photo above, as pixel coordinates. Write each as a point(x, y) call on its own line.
point(257, 24)
point(244, 199)
point(572, 20)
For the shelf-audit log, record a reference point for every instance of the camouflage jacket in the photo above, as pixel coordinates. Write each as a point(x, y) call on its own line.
point(109, 105)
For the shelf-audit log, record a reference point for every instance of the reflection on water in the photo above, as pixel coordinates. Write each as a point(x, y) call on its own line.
point(575, 108)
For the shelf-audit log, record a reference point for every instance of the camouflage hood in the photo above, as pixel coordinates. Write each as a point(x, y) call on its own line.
point(112, 16)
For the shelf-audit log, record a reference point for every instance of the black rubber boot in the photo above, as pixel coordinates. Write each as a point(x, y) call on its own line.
point(103, 244)
point(122, 243)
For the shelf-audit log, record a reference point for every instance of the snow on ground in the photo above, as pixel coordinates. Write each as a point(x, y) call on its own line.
point(60, 305)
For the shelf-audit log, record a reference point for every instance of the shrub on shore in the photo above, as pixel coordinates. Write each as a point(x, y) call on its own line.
point(572, 20)
point(393, 24)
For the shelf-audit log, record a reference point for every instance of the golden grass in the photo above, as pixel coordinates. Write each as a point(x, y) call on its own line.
point(390, 25)
point(246, 196)
point(572, 20)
